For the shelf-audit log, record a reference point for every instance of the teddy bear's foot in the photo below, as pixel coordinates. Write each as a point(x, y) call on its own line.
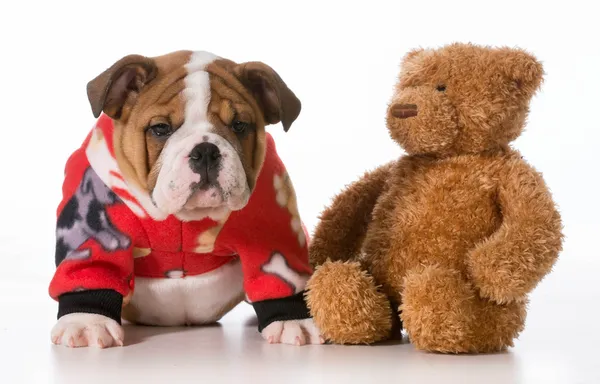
point(346, 305)
point(443, 313)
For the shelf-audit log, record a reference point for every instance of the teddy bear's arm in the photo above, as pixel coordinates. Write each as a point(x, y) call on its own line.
point(343, 224)
point(511, 262)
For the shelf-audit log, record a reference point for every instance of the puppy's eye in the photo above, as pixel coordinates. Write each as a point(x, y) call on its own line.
point(161, 130)
point(239, 126)
point(441, 88)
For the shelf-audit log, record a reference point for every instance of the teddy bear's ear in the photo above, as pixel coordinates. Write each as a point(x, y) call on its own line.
point(521, 68)
point(412, 66)
point(412, 54)
point(415, 56)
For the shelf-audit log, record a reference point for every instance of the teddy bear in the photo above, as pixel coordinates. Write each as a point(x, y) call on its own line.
point(446, 242)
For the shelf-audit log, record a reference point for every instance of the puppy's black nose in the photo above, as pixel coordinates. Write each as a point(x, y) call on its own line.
point(205, 152)
point(204, 158)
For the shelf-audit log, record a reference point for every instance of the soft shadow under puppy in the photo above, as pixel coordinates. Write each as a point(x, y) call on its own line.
point(137, 333)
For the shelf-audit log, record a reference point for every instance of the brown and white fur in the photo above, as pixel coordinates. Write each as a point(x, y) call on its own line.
point(193, 97)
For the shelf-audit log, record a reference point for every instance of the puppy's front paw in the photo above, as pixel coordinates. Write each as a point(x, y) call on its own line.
point(295, 332)
point(87, 329)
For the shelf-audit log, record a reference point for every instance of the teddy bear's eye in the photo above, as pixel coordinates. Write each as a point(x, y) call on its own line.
point(441, 88)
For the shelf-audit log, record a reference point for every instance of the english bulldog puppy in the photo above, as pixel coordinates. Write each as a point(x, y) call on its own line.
point(177, 207)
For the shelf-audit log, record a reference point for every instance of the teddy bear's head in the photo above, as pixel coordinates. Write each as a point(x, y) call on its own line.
point(462, 98)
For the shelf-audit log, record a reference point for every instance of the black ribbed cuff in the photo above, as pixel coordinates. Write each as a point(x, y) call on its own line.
point(105, 302)
point(286, 308)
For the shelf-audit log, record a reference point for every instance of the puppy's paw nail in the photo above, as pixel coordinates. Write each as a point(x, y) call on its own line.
point(270, 340)
point(298, 341)
point(71, 342)
point(321, 340)
point(119, 342)
point(100, 343)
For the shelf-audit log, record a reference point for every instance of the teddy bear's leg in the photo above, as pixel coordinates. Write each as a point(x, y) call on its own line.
point(443, 313)
point(346, 304)
point(342, 226)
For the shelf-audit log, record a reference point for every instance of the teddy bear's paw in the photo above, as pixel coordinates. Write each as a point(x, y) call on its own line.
point(443, 313)
point(496, 277)
point(347, 305)
point(87, 329)
point(294, 332)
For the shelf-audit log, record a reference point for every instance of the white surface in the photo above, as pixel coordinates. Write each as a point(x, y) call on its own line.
point(341, 59)
point(559, 346)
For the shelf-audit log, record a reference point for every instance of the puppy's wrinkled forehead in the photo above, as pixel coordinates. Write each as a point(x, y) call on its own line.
point(197, 90)
point(197, 87)
point(213, 97)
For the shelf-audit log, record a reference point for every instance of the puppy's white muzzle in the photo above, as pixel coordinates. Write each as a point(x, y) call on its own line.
point(176, 191)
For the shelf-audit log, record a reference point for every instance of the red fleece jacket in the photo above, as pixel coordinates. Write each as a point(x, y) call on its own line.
point(107, 234)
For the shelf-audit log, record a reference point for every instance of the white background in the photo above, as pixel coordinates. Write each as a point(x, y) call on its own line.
point(341, 59)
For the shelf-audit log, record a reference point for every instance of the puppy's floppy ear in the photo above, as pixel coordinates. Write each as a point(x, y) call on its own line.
point(521, 68)
point(278, 102)
point(110, 90)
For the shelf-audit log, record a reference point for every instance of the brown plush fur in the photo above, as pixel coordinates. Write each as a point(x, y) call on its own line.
point(371, 318)
point(459, 230)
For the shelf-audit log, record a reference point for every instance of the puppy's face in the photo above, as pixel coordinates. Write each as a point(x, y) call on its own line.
point(190, 127)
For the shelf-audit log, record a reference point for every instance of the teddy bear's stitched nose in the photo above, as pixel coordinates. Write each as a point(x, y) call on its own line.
point(402, 111)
